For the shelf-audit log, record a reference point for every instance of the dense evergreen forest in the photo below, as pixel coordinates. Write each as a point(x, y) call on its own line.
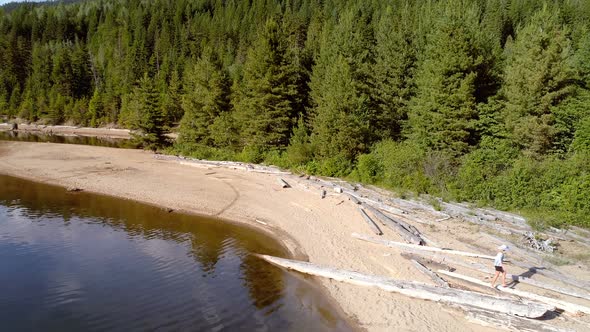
point(486, 101)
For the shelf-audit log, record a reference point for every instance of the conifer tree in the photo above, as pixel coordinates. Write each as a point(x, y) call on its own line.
point(538, 76)
point(395, 61)
point(206, 96)
point(443, 112)
point(266, 98)
point(151, 122)
point(344, 119)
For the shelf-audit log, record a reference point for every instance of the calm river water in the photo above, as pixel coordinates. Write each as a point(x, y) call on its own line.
point(32, 136)
point(83, 262)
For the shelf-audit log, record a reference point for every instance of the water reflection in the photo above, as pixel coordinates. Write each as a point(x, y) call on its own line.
point(39, 137)
point(76, 261)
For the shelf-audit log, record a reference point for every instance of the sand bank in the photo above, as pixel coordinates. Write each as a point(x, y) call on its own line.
point(310, 227)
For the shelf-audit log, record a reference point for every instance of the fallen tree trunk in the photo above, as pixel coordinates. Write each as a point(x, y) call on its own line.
point(569, 307)
point(354, 199)
point(555, 275)
point(557, 289)
point(371, 223)
point(283, 183)
point(397, 227)
point(400, 222)
point(437, 280)
point(393, 244)
point(508, 322)
point(417, 290)
point(426, 261)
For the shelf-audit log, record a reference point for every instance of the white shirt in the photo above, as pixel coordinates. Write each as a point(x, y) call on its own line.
point(499, 259)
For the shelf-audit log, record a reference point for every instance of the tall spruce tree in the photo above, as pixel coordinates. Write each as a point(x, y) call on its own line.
point(206, 96)
point(395, 62)
point(266, 99)
point(538, 76)
point(150, 120)
point(443, 113)
point(344, 119)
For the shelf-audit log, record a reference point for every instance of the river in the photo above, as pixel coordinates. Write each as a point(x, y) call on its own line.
point(75, 261)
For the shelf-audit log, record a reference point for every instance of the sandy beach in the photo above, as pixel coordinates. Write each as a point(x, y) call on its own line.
point(311, 227)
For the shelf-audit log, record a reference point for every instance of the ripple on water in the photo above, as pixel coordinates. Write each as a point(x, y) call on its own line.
point(102, 264)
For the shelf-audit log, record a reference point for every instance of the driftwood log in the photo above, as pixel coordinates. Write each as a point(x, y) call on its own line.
point(431, 263)
point(370, 222)
point(399, 245)
point(381, 215)
point(354, 199)
point(435, 277)
point(509, 322)
point(283, 183)
point(569, 307)
point(417, 290)
point(405, 233)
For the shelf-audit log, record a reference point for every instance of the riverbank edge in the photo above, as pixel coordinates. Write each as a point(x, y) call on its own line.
point(69, 130)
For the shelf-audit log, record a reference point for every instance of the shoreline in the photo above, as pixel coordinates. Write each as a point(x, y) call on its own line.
point(69, 130)
point(102, 132)
point(308, 226)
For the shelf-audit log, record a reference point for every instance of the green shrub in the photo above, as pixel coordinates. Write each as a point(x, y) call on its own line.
point(403, 166)
point(252, 154)
point(338, 166)
point(369, 169)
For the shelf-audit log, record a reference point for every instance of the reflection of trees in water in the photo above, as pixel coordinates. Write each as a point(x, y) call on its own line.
point(207, 248)
point(265, 283)
point(23, 136)
point(209, 239)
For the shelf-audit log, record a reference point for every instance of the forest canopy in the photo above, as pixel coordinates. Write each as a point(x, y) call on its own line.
point(485, 101)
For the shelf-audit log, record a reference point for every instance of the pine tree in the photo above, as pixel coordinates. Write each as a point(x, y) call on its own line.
point(395, 62)
point(443, 113)
point(151, 122)
point(344, 119)
point(206, 96)
point(538, 76)
point(266, 98)
point(96, 109)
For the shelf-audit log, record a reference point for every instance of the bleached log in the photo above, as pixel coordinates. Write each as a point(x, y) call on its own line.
point(283, 183)
point(354, 199)
point(557, 289)
point(569, 307)
point(555, 275)
point(416, 289)
point(426, 261)
point(393, 244)
point(398, 228)
point(383, 207)
point(385, 218)
point(508, 322)
point(435, 277)
point(370, 222)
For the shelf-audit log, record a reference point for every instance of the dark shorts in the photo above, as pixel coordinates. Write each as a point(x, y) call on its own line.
point(499, 268)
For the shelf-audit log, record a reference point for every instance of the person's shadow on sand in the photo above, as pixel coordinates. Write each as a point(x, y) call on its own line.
point(529, 273)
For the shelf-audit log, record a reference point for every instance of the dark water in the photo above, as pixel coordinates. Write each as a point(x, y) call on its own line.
point(25, 136)
point(82, 262)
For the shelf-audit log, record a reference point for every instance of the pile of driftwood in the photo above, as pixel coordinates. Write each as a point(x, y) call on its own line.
point(408, 232)
point(530, 240)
